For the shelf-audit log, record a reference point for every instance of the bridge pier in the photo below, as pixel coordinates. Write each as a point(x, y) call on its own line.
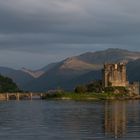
point(7, 96)
point(17, 96)
point(41, 95)
point(31, 95)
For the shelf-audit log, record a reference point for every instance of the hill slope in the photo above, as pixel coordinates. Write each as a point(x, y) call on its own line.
point(80, 69)
point(109, 55)
point(19, 77)
point(134, 70)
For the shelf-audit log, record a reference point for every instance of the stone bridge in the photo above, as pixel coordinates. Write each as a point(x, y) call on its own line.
point(20, 96)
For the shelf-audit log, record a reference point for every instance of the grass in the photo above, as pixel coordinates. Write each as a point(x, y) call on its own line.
point(84, 96)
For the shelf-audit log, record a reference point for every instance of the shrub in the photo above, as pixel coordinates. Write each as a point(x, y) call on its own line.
point(7, 85)
point(95, 86)
point(81, 89)
point(117, 90)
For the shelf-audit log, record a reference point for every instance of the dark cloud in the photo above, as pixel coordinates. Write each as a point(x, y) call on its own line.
point(54, 29)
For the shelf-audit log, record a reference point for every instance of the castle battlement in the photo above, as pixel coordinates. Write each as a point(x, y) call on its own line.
point(115, 75)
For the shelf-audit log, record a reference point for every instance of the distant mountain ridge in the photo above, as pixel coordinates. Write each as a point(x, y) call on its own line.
point(109, 55)
point(32, 73)
point(134, 70)
point(39, 72)
point(79, 69)
point(67, 74)
point(88, 61)
point(19, 77)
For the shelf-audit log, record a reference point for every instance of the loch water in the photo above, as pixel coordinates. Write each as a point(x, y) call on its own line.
point(69, 120)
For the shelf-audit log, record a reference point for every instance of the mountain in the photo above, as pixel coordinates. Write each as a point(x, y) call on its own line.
point(18, 76)
point(48, 67)
point(109, 56)
point(39, 72)
point(133, 70)
point(81, 69)
point(32, 73)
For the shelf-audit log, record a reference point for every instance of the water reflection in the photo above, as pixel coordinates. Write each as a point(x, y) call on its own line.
point(67, 120)
point(115, 118)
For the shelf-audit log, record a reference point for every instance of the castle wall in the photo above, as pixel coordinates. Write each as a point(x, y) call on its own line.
point(115, 75)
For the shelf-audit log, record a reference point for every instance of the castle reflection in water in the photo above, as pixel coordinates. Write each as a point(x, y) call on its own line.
point(115, 118)
point(118, 116)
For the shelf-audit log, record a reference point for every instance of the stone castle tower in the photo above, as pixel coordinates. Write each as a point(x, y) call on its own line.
point(115, 75)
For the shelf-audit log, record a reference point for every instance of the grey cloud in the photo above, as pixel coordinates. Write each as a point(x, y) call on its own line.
point(68, 27)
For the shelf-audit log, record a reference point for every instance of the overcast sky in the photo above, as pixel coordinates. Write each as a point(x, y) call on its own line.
point(34, 33)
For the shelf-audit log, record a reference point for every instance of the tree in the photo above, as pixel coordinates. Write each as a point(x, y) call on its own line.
point(95, 86)
point(81, 89)
point(7, 85)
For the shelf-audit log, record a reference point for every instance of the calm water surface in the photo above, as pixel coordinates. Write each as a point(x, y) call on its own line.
point(69, 120)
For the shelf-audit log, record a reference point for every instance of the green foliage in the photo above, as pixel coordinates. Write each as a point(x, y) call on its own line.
point(81, 89)
point(55, 95)
point(95, 86)
point(117, 90)
point(109, 89)
point(7, 85)
point(85, 96)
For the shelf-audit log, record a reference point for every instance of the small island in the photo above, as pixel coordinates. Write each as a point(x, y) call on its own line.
point(114, 85)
